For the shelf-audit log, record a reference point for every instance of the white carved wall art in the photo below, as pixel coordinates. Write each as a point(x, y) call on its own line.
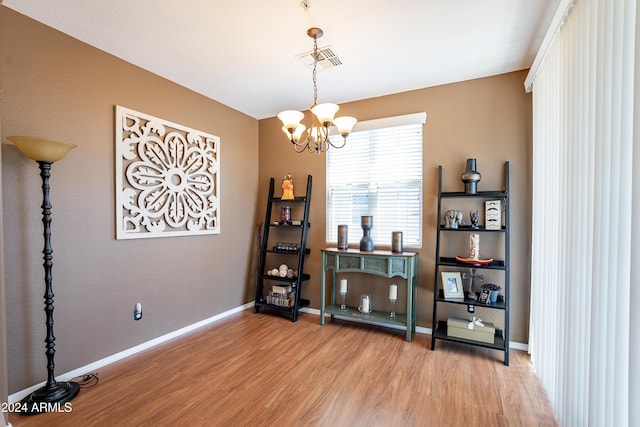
point(167, 178)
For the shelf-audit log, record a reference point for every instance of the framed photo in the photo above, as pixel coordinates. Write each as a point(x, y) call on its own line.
point(452, 285)
point(484, 297)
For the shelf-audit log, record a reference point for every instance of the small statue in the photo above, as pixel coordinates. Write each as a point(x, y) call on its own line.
point(452, 218)
point(474, 219)
point(287, 187)
point(474, 246)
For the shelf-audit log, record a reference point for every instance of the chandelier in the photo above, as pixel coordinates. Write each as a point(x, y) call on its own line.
point(316, 139)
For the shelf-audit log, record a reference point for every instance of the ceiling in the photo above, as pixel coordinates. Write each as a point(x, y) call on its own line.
point(243, 53)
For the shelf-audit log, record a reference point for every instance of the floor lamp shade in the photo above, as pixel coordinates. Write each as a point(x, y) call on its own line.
point(53, 393)
point(41, 149)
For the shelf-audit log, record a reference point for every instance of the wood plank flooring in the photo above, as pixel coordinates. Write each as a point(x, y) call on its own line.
point(264, 370)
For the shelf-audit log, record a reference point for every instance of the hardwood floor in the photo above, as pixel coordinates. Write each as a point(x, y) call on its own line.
point(264, 370)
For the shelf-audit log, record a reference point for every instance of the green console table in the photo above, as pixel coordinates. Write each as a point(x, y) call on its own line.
point(382, 263)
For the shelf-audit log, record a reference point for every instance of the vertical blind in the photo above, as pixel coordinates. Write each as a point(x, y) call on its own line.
point(586, 206)
point(378, 173)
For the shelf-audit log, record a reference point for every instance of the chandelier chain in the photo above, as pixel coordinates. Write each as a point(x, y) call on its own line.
point(315, 70)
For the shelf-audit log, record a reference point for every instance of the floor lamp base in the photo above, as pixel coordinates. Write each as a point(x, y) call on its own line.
point(49, 398)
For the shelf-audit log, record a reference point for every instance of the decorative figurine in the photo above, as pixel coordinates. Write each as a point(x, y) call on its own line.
point(452, 219)
point(474, 246)
point(474, 219)
point(287, 187)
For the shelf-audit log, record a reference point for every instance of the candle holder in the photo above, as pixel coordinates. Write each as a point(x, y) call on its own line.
point(396, 241)
point(365, 304)
point(343, 303)
point(285, 215)
point(392, 314)
point(393, 297)
point(343, 239)
point(343, 293)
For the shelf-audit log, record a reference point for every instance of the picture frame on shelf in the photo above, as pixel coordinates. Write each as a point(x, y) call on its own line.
point(484, 297)
point(452, 285)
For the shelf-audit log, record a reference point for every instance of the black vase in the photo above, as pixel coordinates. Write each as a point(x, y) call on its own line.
point(366, 243)
point(471, 177)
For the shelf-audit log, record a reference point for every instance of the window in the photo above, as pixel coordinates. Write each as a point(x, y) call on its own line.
point(378, 173)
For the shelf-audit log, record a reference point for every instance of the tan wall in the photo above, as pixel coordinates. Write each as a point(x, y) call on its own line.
point(55, 86)
point(489, 119)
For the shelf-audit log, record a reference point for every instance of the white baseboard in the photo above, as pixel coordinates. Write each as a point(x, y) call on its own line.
point(15, 397)
point(519, 346)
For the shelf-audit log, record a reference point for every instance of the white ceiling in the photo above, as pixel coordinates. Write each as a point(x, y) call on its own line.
point(242, 52)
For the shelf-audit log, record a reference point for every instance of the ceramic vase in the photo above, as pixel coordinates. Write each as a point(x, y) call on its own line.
point(366, 243)
point(471, 177)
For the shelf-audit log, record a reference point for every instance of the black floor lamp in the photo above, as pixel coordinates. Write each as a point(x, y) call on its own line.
point(53, 393)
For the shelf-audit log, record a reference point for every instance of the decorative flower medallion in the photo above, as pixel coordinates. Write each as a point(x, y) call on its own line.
point(167, 178)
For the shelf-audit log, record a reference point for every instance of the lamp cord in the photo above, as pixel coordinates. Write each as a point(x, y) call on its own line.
point(87, 380)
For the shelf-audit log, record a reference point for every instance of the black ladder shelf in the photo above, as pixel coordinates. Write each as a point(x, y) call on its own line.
point(440, 328)
point(274, 253)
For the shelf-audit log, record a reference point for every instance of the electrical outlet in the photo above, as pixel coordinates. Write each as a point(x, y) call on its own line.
point(137, 311)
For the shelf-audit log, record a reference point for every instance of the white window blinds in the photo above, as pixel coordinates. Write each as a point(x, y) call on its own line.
point(584, 333)
point(378, 173)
